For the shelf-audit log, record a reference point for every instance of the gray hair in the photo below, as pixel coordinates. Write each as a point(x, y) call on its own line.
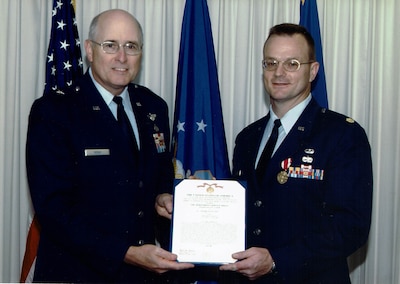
point(94, 24)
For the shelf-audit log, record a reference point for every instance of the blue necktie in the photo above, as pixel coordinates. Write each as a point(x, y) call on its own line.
point(267, 152)
point(125, 124)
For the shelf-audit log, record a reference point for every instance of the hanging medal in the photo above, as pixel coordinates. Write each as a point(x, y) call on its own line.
point(283, 176)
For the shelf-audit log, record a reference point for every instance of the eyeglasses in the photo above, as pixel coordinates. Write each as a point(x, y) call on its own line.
point(112, 47)
point(290, 65)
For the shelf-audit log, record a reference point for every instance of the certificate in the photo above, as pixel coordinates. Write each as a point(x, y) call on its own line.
point(208, 222)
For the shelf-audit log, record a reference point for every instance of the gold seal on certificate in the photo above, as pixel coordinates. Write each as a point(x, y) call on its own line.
point(208, 223)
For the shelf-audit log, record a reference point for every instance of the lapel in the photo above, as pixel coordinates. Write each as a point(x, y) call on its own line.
point(249, 153)
point(295, 141)
point(137, 107)
point(246, 148)
point(256, 141)
point(94, 104)
point(145, 125)
point(98, 117)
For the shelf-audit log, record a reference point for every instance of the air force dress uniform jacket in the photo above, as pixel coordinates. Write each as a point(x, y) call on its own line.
point(92, 199)
point(313, 207)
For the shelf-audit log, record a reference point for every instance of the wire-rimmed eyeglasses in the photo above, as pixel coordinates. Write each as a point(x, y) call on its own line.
point(111, 47)
point(290, 65)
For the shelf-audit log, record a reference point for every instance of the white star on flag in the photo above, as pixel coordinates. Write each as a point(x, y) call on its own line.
point(50, 57)
point(61, 25)
point(64, 45)
point(59, 4)
point(180, 125)
point(202, 126)
point(67, 65)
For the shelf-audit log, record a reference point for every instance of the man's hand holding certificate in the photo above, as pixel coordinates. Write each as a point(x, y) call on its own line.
point(208, 221)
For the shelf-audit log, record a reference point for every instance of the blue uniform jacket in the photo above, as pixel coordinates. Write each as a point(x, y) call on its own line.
point(92, 199)
point(313, 220)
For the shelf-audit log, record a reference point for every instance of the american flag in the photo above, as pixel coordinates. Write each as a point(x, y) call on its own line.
point(64, 59)
point(64, 67)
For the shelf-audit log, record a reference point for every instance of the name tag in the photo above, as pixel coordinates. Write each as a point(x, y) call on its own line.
point(97, 152)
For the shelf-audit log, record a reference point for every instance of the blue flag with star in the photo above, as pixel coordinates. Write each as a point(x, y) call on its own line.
point(199, 143)
point(310, 20)
point(64, 59)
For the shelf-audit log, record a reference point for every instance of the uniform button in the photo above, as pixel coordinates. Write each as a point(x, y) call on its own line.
point(140, 242)
point(257, 232)
point(140, 214)
point(258, 203)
